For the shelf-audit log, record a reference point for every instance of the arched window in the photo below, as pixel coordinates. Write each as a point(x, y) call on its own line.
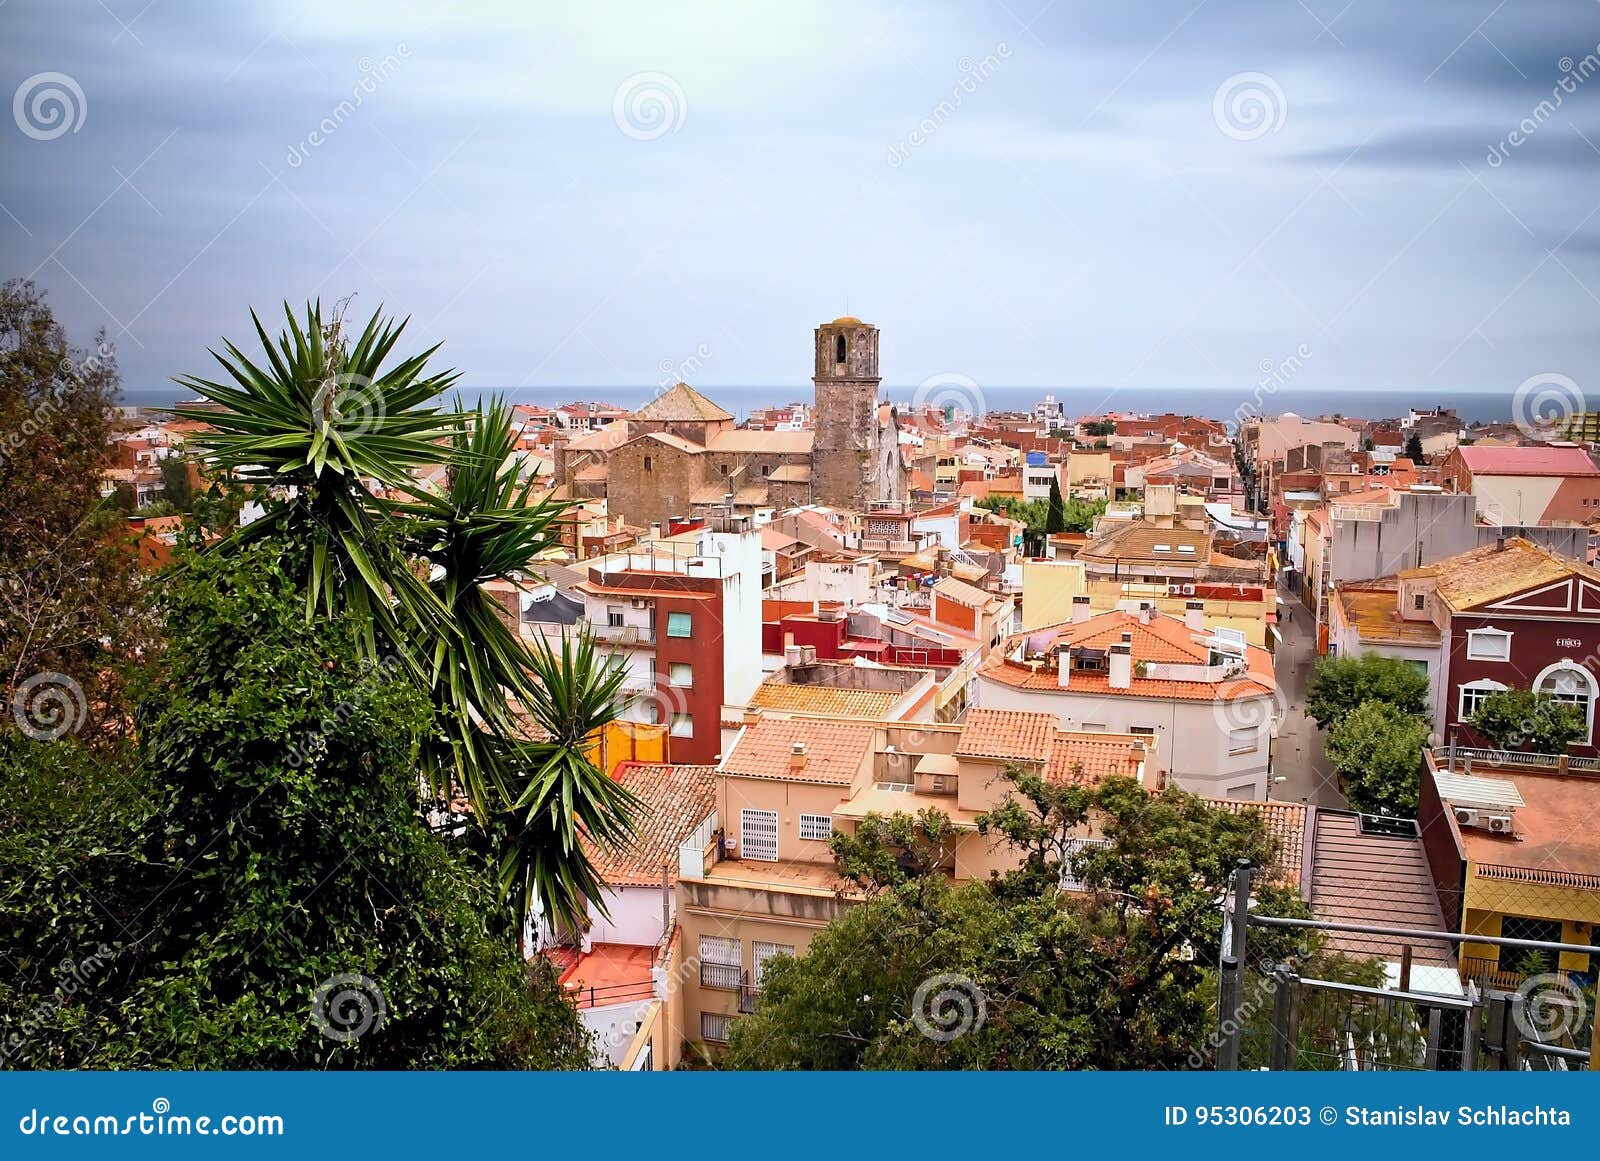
point(1573, 684)
point(838, 349)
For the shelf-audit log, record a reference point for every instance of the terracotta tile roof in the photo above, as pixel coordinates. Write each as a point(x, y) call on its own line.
point(1542, 460)
point(1137, 540)
point(1491, 572)
point(673, 801)
point(832, 701)
point(1084, 757)
point(835, 751)
point(1016, 735)
point(1163, 640)
point(963, 594)
point(1285, 823)
point(770, 442)
point(675, 441)
point(681, 404)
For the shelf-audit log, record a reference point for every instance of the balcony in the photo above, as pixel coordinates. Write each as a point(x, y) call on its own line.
point(729, 976)
point(624, 634)
point(1487, 974)
point(747, 999)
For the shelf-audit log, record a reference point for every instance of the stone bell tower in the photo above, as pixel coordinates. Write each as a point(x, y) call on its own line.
point(847, 455)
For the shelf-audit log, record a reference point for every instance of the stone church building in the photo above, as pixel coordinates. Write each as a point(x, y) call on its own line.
point(681, 455)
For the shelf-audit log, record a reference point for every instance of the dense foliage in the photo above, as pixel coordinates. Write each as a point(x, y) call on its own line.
point(1377, 751)
point(66, 574)
point(1340, 684)
point(262, 843)
point(1014, 972)
point(1520, 719)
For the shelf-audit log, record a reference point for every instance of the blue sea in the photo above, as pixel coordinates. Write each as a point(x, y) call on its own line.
point(1212, 402)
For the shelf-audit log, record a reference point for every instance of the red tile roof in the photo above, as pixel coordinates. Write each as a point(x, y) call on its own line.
point(1016, 735)
point(673, 800)
point(835, 751)
point(1542, 460)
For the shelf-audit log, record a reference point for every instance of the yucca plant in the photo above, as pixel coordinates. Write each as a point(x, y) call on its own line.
point(319, 421)
point(342, 445)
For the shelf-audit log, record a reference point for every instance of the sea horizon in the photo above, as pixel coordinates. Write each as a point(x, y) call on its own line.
point(1473, 406)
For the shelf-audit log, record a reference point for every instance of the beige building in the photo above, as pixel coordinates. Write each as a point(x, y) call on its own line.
point(764, 884)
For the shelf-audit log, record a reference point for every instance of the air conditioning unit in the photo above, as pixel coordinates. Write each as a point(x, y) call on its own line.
point(1466, 816)
point(730, 847)
point(639, 603)
point(1188, 590)
point(1500, 823)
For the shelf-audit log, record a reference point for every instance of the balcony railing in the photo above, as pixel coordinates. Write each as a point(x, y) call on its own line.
point(624, 634)
point(747, 999)
point(722, 975)
point(1488, 974)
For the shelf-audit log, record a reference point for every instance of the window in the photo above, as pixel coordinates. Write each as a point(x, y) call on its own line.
point(1572, 684)
point(1473, 694)
point(680, 673)
point(817, 827)
point(1539, 930)
point(647, 463)
point(1488, 645)
point(1141, 729)
point(723, 468)
point(838, 349)
point(758, 834)
point(766, 470)
point(682, 726)
point(765, 951)
point(721, 962)
point(714, 1027)
point(614, 616)
point(1418, 601)
point(1244, 739)
point(651, 711)
point(679, 624)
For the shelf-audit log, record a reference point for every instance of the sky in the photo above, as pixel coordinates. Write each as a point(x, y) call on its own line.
point(1022, 193)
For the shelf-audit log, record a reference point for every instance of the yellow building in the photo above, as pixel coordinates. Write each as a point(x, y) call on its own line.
point(1052, 589)
point(1515, 854)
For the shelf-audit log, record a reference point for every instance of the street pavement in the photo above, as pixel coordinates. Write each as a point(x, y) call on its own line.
point(1298, 755)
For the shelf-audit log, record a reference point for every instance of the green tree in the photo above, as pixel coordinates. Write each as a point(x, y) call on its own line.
point(1377, 751)
point(175, 486)
point(1413, 449)
point(1340, 684)
point(1101, 427)
point(328, 432)
point(1055, 519)
point(70, 611)
point(1520, 719)
point(1015, 973)
point(254, 887)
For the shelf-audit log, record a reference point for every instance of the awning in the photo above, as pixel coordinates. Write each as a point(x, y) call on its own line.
point(1276, 636)
point(1272, 618)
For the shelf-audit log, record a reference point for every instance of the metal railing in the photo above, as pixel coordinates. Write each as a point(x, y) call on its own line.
point(722, 975)
point(624, 634)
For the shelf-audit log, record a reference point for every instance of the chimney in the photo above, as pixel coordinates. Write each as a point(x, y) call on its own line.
point(1144, 612)
point(655, 530)
point(1121, 665)
point(751, 717)
point(792, 655)
point(797, 757)
point(808, 654)
point(1194, 615)
point(1063, 669)
point(1081, 611)
point(1500, 543)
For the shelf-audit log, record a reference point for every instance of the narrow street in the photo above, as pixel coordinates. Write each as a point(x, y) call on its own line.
point(1298, 753)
